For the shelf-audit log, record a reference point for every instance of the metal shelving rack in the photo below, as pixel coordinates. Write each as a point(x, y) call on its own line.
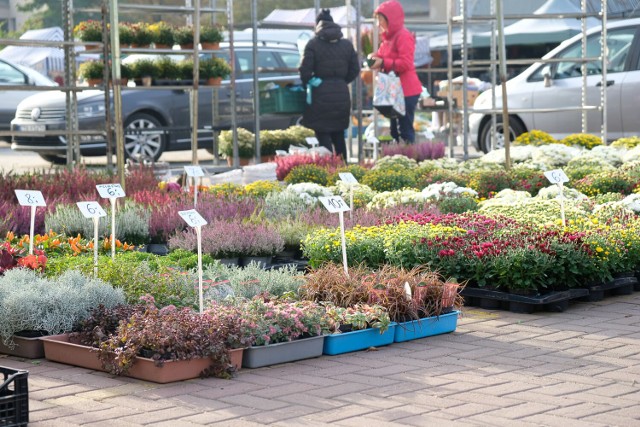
point(463, 19)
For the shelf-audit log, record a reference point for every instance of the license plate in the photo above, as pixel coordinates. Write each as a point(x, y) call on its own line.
point(33, 128)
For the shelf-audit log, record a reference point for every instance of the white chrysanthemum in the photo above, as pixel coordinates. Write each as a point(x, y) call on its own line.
point(392, 198)
point(444, 163)
point(608, 153)
point(555, 154)
point(631, 155)
point(632, 202)
point(553, 192)
point(518, 153)
point(474, 165)
point(444, 189)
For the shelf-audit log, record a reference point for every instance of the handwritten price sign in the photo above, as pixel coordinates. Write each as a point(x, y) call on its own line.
point(556, 176)
point(30, 198)
point(334, 204)
point(192, 218)
point(108, 191)
point(347, 178)
point(91, 209)
point(194, 171)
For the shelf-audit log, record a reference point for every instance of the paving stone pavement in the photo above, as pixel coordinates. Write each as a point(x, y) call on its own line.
point(576, 368)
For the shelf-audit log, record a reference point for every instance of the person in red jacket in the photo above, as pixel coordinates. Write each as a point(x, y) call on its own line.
point(396, 53)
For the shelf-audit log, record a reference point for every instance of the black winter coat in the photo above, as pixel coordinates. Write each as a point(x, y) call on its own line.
point(334, 60)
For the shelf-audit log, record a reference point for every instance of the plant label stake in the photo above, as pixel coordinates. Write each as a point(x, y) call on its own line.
point(93, 210)
point(336, 204)
point(111, 192)
point(558, 177)
point(34, 199)
point(193, 219)
point(194, 171)
point(374, 141)
point(349, 179)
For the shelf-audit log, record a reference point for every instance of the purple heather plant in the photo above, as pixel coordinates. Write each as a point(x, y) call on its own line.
point(420, 151)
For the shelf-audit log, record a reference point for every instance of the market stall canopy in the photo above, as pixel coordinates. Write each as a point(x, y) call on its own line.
point(540, 31)
point(283, 18)
point(46, 60)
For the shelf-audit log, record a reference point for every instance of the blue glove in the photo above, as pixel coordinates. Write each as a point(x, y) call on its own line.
point(313, 82)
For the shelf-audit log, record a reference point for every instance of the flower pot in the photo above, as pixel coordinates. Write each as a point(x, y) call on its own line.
point(235, 357)
point(358, 340)
point(210, 45)
point(273, 354)
point(94, 82)
point(186, 46)
point(57, 348)
point(426, 327)
point(147, 81)
point(162, 46)
point(27, 347)
point(449, 294)
point(214, 81)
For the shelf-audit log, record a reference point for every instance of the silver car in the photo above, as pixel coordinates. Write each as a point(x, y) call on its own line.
point(563, 88)
point(16, 75)
point(158, 120)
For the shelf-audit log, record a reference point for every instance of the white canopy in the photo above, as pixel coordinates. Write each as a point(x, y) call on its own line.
point(342, 15)
point(537, 31)
point(43, 59)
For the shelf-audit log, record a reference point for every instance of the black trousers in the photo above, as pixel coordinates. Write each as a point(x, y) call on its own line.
point(331, 140)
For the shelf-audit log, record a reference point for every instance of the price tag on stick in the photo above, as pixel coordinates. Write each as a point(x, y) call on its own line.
point(195, 220)
point(194, 171)
point(94, 211)
point(111, 192)
point(336, 204)
point(558, 177)
point(349, 179)
point(34, 199)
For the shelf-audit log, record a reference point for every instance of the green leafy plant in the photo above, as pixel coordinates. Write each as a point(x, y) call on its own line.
point(183, 35)
point(307, 173)
point(214, 67)
point(92, 70)
point(163, 33)
point(125, 34)
point(142, 34)
point(358, 317)
point(145, 68)
point(167, 68)
point(211, 34)
point(88, 31)
point(246, 143)
point(186, 69)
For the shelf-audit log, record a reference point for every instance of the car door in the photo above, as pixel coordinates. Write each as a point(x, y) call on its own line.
point(630, 92)
point(11, 76)
point(566, 86)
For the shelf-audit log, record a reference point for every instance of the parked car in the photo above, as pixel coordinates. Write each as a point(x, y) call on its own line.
point(16, 75)
point(158, 120)
point(559, 84)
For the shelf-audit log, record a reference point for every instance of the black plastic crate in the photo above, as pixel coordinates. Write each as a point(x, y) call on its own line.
point(14, 397)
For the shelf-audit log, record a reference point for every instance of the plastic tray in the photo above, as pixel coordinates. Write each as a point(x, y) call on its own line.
point(14, 397)
point(283, 100)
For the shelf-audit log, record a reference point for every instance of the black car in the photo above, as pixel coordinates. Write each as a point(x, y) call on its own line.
point(157, 119)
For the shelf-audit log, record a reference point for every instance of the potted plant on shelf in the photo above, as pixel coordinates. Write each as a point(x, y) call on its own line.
point(126, 74)
point(125, 34)
point(213, 70)
point(34, 306)
point(163, 34)
point(183, 36)
point(186, 70)
point(142, 35)
point(210, 37)
point(167, 69)
point(92, 72)
point(145, 71)
point(88, 31)
point(246, 145)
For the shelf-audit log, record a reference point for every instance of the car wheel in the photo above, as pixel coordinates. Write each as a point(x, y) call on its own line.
point(56, 160)
point(486, 143)
point(140, 140)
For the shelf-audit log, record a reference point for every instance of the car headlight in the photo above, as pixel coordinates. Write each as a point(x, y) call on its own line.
point(93, 109)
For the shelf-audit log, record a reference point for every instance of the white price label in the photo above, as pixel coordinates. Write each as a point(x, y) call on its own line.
point(312, 141)
point(30, 198)
point(348, 178)
point(108, 191)
point(556, 176)
point(192, 218)
point(334, 204)
point(91, 209)
point(194, 171)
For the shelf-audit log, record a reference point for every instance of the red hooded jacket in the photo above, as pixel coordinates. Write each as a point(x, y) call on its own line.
point(398, 47)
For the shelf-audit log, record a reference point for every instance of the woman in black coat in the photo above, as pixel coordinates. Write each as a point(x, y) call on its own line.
point(329, 64)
